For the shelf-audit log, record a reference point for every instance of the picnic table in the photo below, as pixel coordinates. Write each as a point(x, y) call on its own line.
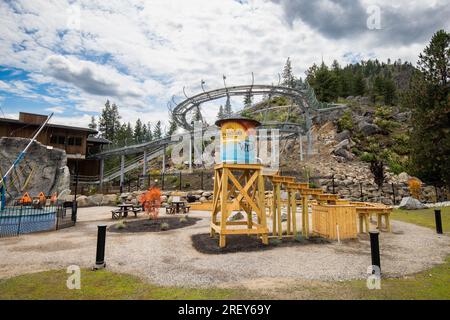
point(177, 205)
point(123, 210)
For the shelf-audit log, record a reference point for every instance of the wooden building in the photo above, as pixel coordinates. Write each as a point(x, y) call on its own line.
point(76, 141)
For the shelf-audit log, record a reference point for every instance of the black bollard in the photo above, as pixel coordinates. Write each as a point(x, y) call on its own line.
point(100, 257)
point(375, 249)
point(437, 217)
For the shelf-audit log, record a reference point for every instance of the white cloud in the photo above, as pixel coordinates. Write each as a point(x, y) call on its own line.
point(140, 53)
point(56, 109)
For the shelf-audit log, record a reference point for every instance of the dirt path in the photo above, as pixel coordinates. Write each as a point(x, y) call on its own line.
point(168, 258)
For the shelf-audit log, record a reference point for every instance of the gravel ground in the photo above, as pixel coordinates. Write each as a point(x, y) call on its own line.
point(168, 258)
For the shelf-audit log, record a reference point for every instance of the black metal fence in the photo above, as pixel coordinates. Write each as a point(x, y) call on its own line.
point(390, 193)
point(21, 219)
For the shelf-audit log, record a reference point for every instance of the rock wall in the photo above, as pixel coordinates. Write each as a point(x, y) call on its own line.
point(41, 170)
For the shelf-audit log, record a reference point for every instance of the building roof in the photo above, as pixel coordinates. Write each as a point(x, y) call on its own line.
point(50, 125)
point(98, 140)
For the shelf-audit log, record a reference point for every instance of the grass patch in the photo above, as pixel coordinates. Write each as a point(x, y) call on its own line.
point(101, 284)
point(430, 284)
point(424, 218)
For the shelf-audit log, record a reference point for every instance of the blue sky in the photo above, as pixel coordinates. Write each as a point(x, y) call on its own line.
point(69, 57)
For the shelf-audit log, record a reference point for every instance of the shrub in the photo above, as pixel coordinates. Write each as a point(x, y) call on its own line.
point(383, 112)
point(121, 225)
point(183, 219)
point(346, 121)
point(164, 226)
point(367, 157)
point(414, 185)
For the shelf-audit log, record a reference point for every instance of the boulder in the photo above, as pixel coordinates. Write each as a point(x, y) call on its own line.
point(410, 203)
point(95, 200)
point(342, 150)
point(49, 167)
point(402, 116)
point(368, 129)
point(236, 216)
point(109, 200)
point(203, 199)
point(342, 136)
point(82, 201)
point(207, 194)
point(403, 177)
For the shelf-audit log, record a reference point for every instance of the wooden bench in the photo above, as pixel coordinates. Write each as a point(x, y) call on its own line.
point(186, 208)
point(116, 214)
point(136, 210)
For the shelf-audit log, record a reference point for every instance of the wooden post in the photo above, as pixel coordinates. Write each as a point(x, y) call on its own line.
point(305, 216)
point(274, 210)
point(262, 207)
point(294, 213)
point(279, 225)
point(288, 212)
point(223, 207)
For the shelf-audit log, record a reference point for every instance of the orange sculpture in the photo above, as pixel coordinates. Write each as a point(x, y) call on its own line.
point(54, 198)
point(151, 201)
point(42, 198)
point(26, 199)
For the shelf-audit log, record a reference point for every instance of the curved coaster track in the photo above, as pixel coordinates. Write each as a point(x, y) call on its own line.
point(302, 96)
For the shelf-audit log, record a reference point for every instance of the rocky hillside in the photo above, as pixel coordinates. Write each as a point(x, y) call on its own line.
point(346, 142)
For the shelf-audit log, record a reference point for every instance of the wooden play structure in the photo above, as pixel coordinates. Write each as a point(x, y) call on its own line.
point(239, 186)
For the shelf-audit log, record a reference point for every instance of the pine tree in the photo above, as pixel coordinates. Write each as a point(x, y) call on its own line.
point(129, 134)
point(389, 91)
point(93, 123)
point(248, 100)
point(149, 136)
point(144, 132)
point(138, 132)
point(288, 76)
point(157, 131)
point(227, 109)
point(172, 126)
point(109, 122)
point(428, 99)
point(220, 114)
point(359, 85)
point(324, 82)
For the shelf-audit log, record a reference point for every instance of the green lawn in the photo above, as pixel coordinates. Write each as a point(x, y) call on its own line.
point(430, 284)
point(100, 284)
point(423, 217)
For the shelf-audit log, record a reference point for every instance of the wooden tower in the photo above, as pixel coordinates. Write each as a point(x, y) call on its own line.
point(245, 184)
point(238, 179)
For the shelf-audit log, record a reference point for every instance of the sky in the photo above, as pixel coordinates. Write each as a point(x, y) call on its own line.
point(69, 57)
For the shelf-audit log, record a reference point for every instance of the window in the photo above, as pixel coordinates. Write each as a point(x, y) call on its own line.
point(57, 139)
point(74, 141)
